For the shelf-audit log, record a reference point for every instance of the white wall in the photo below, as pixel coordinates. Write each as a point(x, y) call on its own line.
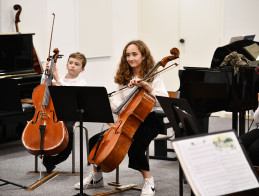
point(100, 71)
point(95, 36)
point(36, 17)
point(240, 17)
point(182, 19)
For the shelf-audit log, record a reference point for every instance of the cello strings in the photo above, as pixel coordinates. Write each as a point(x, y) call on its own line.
point(48, 83)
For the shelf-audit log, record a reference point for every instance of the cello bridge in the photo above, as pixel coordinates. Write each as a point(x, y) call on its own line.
point(43, 114)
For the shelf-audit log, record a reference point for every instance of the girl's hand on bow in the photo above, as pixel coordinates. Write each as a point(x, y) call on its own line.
point(139, 83)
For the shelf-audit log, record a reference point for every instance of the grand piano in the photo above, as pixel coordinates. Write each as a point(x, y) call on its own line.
point(216, 88)
point(18, 78)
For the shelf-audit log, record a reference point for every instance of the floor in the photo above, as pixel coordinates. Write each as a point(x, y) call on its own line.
point(18, 166)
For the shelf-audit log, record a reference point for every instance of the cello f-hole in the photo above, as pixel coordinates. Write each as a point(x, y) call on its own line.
point(36, 118)
point(54, 114)
point(116, 131)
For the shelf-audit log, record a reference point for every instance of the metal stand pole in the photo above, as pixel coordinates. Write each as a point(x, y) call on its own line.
point(81, 154)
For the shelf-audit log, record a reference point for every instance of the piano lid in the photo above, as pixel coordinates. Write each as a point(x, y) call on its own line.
point(195, 68)
point(16, 53)
point(238, 46)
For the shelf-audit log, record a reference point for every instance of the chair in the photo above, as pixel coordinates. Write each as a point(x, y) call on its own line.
point(160, 141)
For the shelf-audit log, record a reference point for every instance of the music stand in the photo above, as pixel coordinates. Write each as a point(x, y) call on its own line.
point(83, 104)
point(169, 106)
point(10, 102)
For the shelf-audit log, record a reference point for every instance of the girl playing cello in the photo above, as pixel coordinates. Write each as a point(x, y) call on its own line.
point(136, 62)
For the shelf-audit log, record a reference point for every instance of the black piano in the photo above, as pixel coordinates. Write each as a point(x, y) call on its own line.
point(18, 78)
point(216, 88)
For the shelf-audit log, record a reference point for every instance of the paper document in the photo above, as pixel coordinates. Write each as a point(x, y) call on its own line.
point(215, 164)
point(238, 38)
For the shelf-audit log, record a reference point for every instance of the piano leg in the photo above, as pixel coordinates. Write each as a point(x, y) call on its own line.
point(234, 120)
point(204, 123)
point(240, 121)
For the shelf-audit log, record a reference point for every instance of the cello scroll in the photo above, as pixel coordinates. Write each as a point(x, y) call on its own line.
point(175, 54)
point(17, 16)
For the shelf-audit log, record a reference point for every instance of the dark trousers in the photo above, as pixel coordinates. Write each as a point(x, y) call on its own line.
point(146, 132)
point(250, 141)
point(56, 159)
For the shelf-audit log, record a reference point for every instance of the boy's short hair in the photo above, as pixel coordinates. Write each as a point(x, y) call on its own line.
point(80, 56)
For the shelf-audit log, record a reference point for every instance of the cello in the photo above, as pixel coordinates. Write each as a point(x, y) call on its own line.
point(44, 135)
point(36, 62)
point(111, 149)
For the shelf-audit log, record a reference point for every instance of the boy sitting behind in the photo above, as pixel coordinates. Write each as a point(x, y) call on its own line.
point(75, 65)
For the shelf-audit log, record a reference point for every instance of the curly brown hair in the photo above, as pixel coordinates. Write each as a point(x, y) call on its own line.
point(124, 72)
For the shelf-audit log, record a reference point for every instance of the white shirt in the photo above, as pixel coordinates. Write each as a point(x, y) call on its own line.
point(66, 81)
point(158, 89)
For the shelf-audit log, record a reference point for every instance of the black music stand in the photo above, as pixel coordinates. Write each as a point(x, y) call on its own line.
point(170, 106)
point(84, 104)
point(10, 102)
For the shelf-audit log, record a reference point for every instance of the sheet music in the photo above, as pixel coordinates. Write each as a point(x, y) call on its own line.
point(215, 164)
point(238, 38)
point(249, 37)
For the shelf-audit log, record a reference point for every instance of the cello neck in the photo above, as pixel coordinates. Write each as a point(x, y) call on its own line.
point(17, 28)
point(45, 101)
point(152, 70)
